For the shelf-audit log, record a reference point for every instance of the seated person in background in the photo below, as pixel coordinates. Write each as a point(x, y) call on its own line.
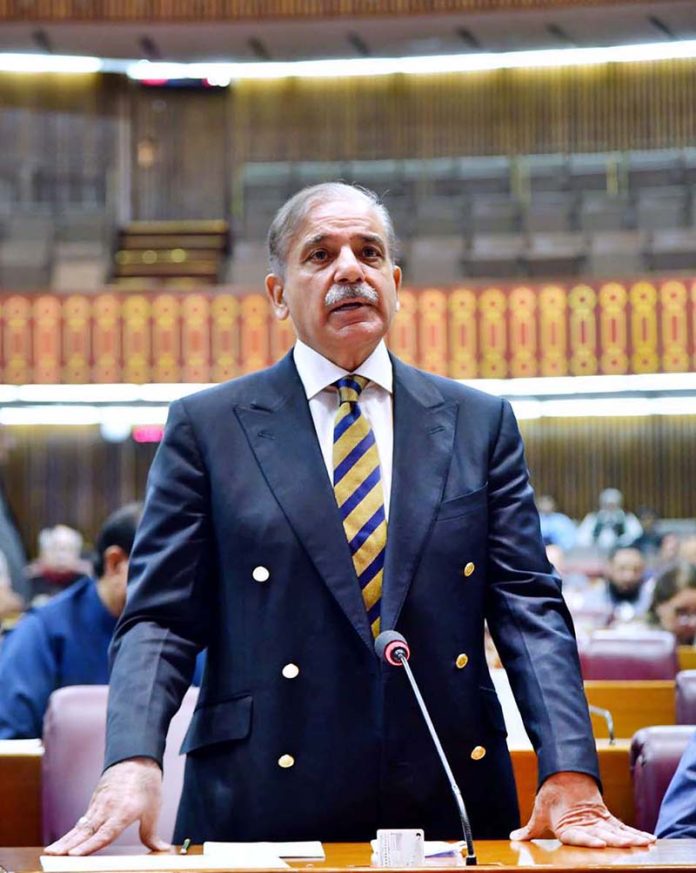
point(11, 544)
point(10, 602)
point(677, 819)
point(556, 528)
point(66, 641)
point(673, 605)
point(650, 541)
point(623, 595)
point(59, 563)
point(609, 527)
point(687, 549)
point(669, 550)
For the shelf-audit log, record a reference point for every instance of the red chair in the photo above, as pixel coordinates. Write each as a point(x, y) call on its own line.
point(686, 697)
point(655, 754)
point(644, 654)
point(73, 737)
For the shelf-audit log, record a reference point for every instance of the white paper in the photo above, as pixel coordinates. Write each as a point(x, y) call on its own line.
point(252, 856)
point(311, 850)
point(432, 848)
point(21, 747)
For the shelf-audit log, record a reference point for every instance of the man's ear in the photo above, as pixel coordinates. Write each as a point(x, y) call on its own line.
point(274, 287)
point(397, 284)
point(114, 557)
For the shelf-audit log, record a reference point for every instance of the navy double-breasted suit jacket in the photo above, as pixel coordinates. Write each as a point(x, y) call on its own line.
point(241, 549)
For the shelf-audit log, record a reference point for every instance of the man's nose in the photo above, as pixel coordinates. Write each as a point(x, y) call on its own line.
point(348, 267)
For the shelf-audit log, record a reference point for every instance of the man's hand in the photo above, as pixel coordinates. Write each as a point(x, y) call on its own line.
point(570, 807)
point(127, 792)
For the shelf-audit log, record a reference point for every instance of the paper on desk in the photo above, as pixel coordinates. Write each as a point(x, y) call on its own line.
point(433, 848)
point(311, 850)
point(252, 856)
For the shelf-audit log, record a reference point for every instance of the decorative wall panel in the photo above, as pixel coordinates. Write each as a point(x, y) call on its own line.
point(464, 331)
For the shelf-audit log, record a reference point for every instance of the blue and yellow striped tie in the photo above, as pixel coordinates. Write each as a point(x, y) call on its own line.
point(358, 489)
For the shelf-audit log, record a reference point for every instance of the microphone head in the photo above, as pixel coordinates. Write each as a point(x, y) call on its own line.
point(389, 644)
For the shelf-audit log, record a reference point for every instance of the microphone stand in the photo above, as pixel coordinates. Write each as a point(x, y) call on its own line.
point(400, 655)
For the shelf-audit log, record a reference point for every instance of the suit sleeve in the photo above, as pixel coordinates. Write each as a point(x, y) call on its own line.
point(172, 579)
point(28, 675)
point(529, 620)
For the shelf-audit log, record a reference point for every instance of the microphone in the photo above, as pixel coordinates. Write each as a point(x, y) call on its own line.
point(392, 647)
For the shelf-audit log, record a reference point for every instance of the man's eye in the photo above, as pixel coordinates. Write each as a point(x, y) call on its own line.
point(371, 252)
point(318, 255)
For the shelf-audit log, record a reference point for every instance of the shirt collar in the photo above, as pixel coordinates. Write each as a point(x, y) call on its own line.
point(318, 373)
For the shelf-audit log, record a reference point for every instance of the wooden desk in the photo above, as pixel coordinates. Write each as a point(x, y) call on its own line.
point(633, 704)
point(20, 784)
point(20, 781)
point(677, 855)
point(686, 656)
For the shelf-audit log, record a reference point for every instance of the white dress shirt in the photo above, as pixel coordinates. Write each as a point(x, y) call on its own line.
point(318, 375)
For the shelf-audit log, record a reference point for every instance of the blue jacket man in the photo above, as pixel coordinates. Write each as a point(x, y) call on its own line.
point(300, 731)
point(66, 642)
point(677, 819)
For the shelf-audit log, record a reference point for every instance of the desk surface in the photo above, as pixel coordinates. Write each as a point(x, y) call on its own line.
point(675, 855)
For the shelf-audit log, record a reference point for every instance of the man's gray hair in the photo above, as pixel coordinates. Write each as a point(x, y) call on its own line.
point(293, 212)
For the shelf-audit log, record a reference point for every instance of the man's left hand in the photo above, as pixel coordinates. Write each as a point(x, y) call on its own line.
point(570, 807)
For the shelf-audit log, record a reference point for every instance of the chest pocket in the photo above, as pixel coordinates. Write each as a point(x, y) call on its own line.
point(473, 501)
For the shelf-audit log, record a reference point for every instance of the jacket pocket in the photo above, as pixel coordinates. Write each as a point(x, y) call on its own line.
point(218, 723)
point(492, 709)
point(463, 504)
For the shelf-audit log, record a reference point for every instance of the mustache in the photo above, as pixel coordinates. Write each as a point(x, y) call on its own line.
point(356, 291)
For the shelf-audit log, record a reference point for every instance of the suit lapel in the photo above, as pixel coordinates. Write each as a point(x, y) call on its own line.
point(281, 433)
point(423, 439)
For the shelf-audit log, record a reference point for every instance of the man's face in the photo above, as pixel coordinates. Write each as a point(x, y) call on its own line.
point(626, 570)
point(340, 287)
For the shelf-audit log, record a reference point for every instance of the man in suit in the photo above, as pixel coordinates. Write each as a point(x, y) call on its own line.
point(246, 547)
point(677, 818)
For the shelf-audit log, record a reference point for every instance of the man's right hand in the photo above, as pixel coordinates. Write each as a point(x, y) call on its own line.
point(129, 791)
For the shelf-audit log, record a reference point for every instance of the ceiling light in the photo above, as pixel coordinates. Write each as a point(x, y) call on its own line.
point(43, 63)
point(416, 65)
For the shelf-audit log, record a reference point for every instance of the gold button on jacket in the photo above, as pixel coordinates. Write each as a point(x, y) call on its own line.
point(291, 671)
point(462, 661)
point(286, 761)
point(469, 569)
point(477, 753)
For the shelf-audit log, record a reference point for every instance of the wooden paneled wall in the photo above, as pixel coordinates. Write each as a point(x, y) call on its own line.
point(71, 475)
point(651, 459)
point(202, 140)
point(508, 112)
point(236, 10)
point(61, 124)
point(186, 135)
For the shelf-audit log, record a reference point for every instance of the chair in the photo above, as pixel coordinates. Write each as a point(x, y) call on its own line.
point(74, 730)
point(658, 208)
point(602, 211)
point(645, 654)
point(616, 253)
point(494, 255)
point(434, 260)
point(686, 697)
point(655, 754)
point(551, 254)
point(671, 249)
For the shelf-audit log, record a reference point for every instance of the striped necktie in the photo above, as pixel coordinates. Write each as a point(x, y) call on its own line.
point(358, 489)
